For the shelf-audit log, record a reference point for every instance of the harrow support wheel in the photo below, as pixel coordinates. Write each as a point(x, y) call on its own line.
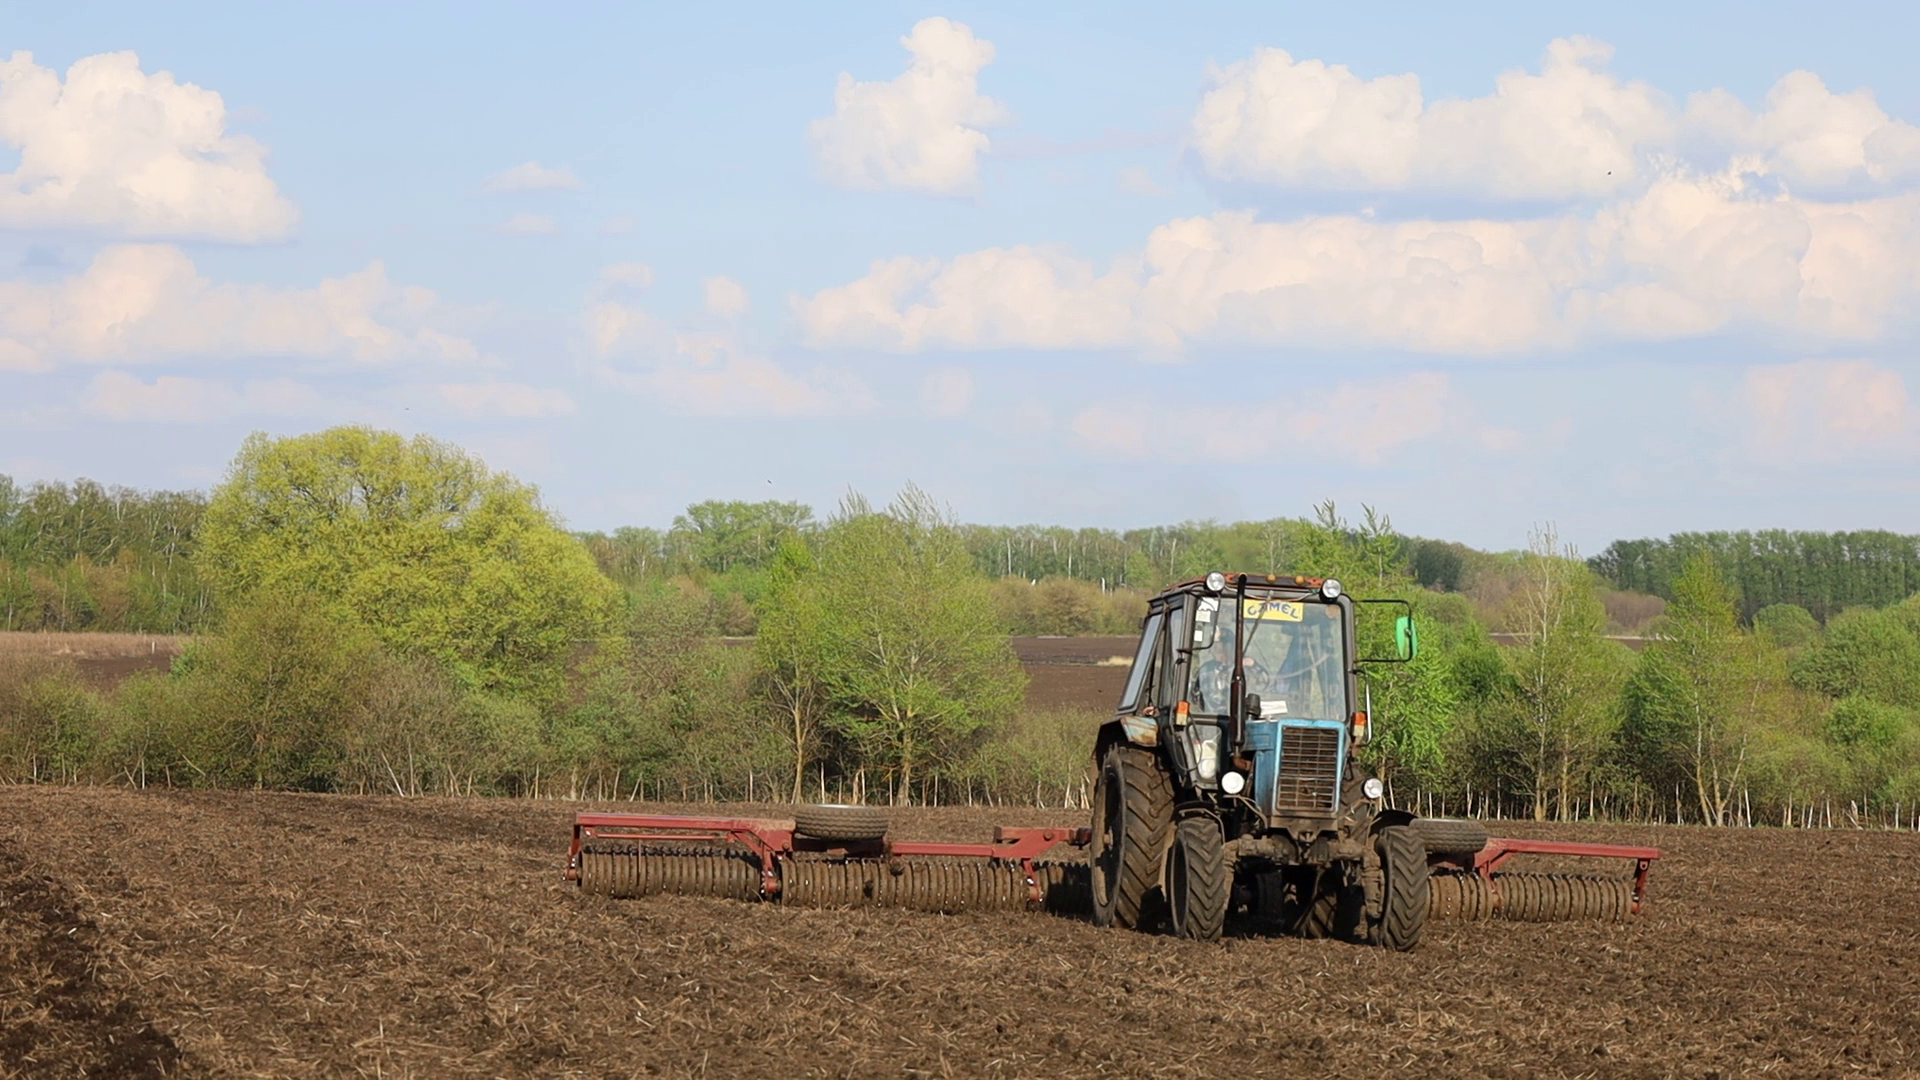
point(1133, 813)
point(1199, 878)
point(1405, 895)
point(829, 821)
point(1450, 836)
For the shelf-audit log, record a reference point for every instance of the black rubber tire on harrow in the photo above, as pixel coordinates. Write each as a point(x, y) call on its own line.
point(827, 821)
point(1407, 897)
point(1199, 879)
point(1450, 836)
point(1133, 814)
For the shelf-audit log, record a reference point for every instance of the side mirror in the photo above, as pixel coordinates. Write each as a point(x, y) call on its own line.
point(1406, 637)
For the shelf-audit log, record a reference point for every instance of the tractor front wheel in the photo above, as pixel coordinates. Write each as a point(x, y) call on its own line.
point(1133, 812)
point(1199, 878)
point(1399, 912)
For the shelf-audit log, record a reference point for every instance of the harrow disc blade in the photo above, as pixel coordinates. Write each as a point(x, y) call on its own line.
point(1530, 898)
point(1562, 898)
point(631, 871)
point(1459, 897)
point(933, 885)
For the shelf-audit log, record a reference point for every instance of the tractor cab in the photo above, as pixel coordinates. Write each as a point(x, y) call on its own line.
point(1249, 687)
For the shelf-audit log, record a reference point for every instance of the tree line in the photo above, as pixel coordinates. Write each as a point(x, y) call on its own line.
point(388, 614)
point(83, 556)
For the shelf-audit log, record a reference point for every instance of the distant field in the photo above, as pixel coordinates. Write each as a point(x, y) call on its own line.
point(103, 659)
point(1083, 671)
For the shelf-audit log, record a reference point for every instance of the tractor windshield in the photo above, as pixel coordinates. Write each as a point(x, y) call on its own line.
point(1295, 659)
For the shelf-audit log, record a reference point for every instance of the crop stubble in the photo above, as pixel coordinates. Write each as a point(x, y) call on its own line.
point(290, 935)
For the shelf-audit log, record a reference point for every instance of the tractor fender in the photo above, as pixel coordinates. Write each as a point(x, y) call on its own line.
point(1390, 817)
point(1136, 730)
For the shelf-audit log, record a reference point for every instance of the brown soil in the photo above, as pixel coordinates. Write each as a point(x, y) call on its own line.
point(105, 660)
point(1074, 672)
point(313, 935)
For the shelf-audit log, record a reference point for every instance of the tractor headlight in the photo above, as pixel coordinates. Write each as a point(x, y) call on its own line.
point(1330, 589)
point(1233, 783)
point(1209, 762)
point(1373, 788)
point(1216, 581)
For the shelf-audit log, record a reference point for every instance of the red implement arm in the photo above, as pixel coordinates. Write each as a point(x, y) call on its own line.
point(1488, 860)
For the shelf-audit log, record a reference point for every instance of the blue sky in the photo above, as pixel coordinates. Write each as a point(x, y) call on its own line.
point(1631, 269)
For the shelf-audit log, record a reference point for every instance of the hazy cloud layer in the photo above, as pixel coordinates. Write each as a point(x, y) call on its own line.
point(920, 131)
point(704, 374)
point(504, 400)
point(530, 176)
point(146, 303)
point(136, 155)
point(725, 297)
point(1822, 411)
point(1372, 419)
point(178, 399)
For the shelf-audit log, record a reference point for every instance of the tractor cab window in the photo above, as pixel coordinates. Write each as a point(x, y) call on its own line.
point(1295, 659)
point(1143, 663)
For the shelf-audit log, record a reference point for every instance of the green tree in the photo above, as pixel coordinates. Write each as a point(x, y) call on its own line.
point(418, 541)
point(1870, 653)
point(1789, 626)
point(787, 651)
point(1702, 692)
point(908, 647)
point(1566, 677)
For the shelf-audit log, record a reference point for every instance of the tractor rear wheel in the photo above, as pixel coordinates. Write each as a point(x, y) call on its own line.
point(1199, 881)
point(1405, 895)
point(1132, 814)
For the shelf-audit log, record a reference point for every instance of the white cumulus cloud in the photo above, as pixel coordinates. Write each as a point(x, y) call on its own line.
point(921, 131)
point(143, 303)
point(1688, 257)
point(1810, 136)
point(1574, 130)
point(1571, 130)
point(530, 176)
point(138, 155)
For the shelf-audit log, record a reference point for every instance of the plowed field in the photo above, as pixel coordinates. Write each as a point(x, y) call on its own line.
point(289, 935)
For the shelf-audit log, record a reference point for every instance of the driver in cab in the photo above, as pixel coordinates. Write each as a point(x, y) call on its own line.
point(1263, 668)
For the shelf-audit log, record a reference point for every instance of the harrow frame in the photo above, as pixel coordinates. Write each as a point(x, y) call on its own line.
point(770, 840)
point(772, 843)
point(1489, 859)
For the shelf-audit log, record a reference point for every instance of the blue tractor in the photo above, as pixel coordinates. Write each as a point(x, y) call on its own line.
point(1228, 778)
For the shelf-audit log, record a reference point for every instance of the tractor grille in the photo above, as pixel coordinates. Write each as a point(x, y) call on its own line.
point(1309, 770)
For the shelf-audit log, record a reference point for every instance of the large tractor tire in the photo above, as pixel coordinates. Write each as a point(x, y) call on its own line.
point(828, 821)
point(1399, 913)
point(1450, 836)
point(1132, 817)
point(1199, 879)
